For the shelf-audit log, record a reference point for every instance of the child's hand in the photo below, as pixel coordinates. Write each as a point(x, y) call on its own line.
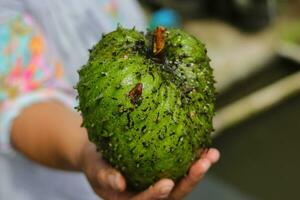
point(108, 183)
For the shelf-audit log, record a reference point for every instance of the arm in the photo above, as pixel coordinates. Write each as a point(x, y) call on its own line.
point(50, 133)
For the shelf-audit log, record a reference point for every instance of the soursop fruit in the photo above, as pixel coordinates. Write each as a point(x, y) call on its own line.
point(147, 102)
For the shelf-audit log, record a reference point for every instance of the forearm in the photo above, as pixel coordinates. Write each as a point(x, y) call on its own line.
point(50, 133)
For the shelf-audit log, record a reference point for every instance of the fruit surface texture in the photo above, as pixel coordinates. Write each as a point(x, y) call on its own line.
point(147, 102)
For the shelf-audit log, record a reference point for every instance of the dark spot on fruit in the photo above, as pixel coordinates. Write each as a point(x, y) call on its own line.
point(119, 156)
point(138, 75)
point(145, 109)
point(165, 94)
point(145, 144)
point(121, 109)
point(157, 118)
point(99, 98)
point(161, 136)
point(139, 45)
point(172, 149)
point(130, 123)
point(154, 90)
point(180, 139)
point(118, 86)
point(104, 73)
point(151, 74)
point(144, 128)
point(135, 93)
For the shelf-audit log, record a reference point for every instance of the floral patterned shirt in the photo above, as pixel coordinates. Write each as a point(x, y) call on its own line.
point(42, 45)
point(40, 53)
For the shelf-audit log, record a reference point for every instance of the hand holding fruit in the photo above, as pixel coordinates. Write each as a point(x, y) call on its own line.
point(110, 184)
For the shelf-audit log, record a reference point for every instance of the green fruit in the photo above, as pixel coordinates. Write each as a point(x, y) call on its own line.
point(148, 113)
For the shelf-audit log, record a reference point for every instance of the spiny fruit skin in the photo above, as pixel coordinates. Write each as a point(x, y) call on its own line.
point(149, 115)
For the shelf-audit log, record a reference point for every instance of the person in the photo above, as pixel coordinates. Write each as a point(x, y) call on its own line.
point(44, 152)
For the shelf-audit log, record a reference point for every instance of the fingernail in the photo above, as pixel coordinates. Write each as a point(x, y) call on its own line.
point(114, 181)
point(165, 190)
point(205, 165)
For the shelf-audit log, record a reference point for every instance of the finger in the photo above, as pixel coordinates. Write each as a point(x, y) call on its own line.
point(212, 154)
point(159, 190)
point(102, 174)
point(196, 173)
point(113, 195)
point(111, 178)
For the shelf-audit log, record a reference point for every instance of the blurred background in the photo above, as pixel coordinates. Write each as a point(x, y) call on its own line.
point(254, 46)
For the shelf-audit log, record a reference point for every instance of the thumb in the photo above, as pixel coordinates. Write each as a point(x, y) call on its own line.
point(159, 190)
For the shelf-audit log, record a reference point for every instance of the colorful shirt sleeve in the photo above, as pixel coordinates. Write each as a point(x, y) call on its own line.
point(29, 72)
